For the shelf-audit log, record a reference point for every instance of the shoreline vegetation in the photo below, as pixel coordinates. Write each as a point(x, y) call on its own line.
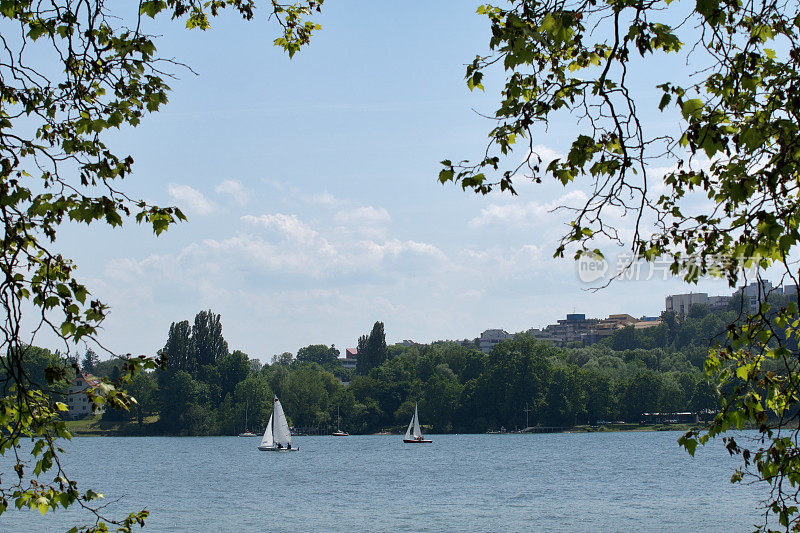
point(634, 380)
point(95, 426)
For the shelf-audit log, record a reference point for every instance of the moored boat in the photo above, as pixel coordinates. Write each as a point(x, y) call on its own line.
point(339, 432)
point(247, 432)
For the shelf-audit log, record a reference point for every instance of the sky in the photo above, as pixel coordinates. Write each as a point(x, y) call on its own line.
point(311, 190)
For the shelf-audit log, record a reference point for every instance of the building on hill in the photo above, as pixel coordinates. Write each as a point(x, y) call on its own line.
point(607, 326)
point(647, 322)
point(680, 304)
point(575, 328)
point(77, 401)
point(350, 358)
point(491, 338)
point(406, 343)
point(537, 333)
point(755, 289)
point(716, 303)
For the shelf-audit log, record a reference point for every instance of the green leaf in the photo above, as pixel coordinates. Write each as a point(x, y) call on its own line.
point(692, 108)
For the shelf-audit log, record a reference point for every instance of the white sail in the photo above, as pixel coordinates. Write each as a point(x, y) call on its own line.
point(410, 427)
point(280, 432)
point(266, 440)
point(417, 431)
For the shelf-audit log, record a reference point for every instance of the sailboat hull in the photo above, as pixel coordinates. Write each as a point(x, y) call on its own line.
point(274, 449)
point(417, 441)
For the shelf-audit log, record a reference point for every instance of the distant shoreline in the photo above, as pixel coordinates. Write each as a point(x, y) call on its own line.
point(94, 427)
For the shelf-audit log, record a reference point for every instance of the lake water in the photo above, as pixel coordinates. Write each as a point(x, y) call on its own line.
point(635, 481)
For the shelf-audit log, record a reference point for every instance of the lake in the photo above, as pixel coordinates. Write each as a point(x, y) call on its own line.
point(632, 481)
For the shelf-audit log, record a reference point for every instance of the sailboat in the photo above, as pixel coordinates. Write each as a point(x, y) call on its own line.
point(277, 437)
point(339, 432)
point(247, 432)
point(414, 433)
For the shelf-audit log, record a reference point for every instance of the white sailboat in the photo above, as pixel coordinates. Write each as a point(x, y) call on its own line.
point(247, 432)
point(339, 432)
point(414, 433)
point(277, 437)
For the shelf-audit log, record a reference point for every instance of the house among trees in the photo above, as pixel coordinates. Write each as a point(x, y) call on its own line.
point(491, 338)
point(77, 401)
point(350, 358)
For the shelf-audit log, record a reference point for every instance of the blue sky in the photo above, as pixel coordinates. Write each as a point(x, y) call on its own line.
point(311, 190)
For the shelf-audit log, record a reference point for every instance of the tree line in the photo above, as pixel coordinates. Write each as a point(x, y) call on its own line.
point(205, 389)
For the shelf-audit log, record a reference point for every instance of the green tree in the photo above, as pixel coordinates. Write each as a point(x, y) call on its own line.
point(90, 363)
point(77, 71)
point(233, 368)
point(283, 359)
point(363, 362)
point(177, 350)
point(143, 387)
point(318, 353)
point(207, 344)
point(442, 393)
point(372, 350)
point(739, 112)
point(254, 394)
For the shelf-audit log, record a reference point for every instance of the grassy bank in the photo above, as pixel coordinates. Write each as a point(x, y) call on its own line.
point(93, 426)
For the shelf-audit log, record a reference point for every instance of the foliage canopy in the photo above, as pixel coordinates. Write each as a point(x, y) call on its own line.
point(70, 73)
point(737, 152)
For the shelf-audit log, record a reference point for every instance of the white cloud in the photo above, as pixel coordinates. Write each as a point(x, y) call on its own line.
point(375, 252)
point(516, 214)
point(288, 225)
point(325, 199)
point(362, 215)
point(505, 263)
point(235, 189)
point(545, 153)
point(365, 222)
point(190, 199)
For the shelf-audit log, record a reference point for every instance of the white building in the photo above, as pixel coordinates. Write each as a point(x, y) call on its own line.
point(492, 337)
point(718, 302)
point(77, 401)
point(406, 343)
point(681, 303)
point(756, 289)
point(350, 359)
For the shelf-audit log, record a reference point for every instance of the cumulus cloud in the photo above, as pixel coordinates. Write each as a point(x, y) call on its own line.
point(546, 154)
point(364, 222)
point(362, 215)
point(325, 199)
point(289, 226)
point(517, 214)
point(235, 189)
point(190, 199)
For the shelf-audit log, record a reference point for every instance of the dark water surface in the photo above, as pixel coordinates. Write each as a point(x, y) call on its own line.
point(636, 481)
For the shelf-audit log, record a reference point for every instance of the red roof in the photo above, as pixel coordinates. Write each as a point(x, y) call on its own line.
point(351, 353)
